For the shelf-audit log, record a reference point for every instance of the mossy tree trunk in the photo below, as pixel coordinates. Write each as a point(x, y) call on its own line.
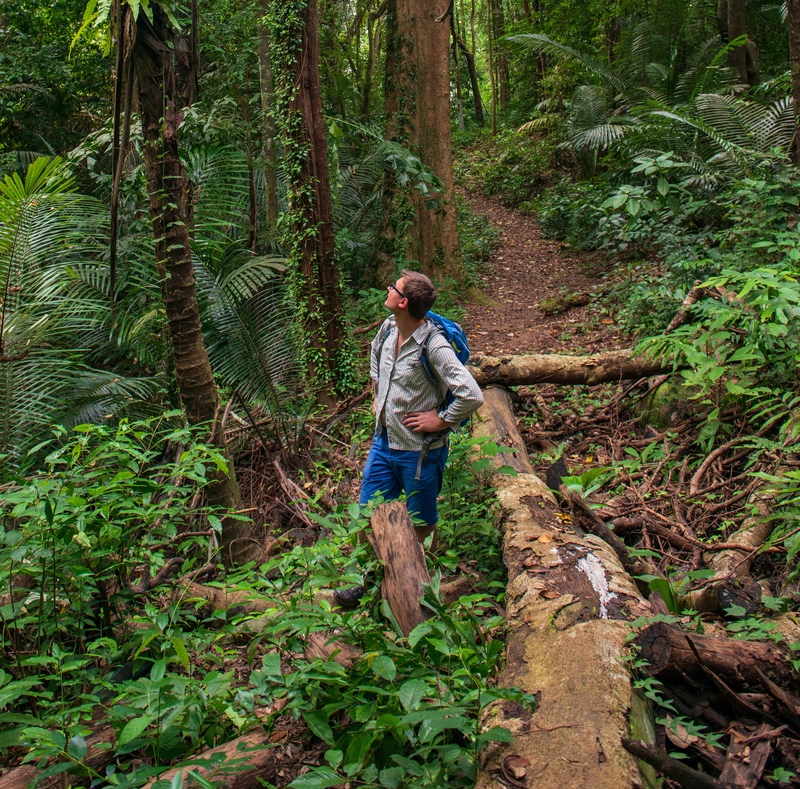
point(268, 144)
point(793, 21)
point(165, 66)
point(309, 241)
point(417, 96)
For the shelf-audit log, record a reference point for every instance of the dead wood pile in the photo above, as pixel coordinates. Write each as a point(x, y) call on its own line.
point(703, 521)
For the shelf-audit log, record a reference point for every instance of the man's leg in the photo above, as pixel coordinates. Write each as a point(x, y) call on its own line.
point(422, 493)
point(379, 475)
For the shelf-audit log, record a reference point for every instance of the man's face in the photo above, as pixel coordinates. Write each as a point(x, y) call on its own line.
point(395, 297)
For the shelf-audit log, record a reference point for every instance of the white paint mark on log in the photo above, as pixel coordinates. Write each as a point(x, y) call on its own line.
point(596, 574)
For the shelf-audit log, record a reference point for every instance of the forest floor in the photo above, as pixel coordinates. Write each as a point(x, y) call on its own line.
point(525, 269)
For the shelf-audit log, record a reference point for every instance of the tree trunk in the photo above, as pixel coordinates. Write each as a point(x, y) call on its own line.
point(490, 56)
point(793, 21)
point(396, 545)
point(497, 33)
point(165, 69)
point(732, 583)
point(310, 239)
point(556, 369)
point(567, 603)
point(457, 73)
point(374, 28)
point(268, 144)
point(417, 96)
point(473, 76)
point(737, 26)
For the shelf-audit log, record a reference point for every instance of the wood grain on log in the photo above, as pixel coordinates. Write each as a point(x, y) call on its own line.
point(395, 542)
point(666, 649)
point(325, 646)
point(99, 753)
point(556, 369)
point(256, 757)
point(567, 600)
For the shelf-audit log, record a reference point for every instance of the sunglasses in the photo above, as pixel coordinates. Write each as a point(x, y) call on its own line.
point(397, 290)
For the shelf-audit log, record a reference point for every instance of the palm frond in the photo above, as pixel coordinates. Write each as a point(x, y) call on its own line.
point(542, 44)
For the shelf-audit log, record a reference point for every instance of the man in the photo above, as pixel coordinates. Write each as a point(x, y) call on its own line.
point(409, 450)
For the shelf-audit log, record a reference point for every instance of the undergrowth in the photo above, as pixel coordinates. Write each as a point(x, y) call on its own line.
point(94, 626)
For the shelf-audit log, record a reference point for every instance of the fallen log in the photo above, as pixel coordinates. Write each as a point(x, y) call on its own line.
point(555, 305)
point(248, 762)
point(395, 543)
point(732, 584)
point(667, 650)
point(99, 753)
point(568, 602)
point(548, 368)
point(222, 598)
point(672, 768)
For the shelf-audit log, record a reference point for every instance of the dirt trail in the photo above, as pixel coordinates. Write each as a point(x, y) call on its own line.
point(525, 269)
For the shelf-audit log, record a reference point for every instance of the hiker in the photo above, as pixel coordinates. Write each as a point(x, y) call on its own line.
point(413, 367)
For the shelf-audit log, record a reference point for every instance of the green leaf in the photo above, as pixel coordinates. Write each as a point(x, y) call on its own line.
point(664, 588)
point(318, 723)
point(180, 651)
point(391, 777)
point(663, 186)
point(10, 737)
point(411, 694)
point(134, 728)
point(318, 778)
point(76, 747)
point(334, 757)
point(383, 666)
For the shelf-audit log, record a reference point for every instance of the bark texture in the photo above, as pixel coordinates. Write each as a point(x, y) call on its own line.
point(310, 201)
point(395, 542)
point(567, 602)
point(668, 651)
point(257, 763)
point(793, 22)
point(268, 144)
point(417, 107)
point(166, 68)
point(542, 368)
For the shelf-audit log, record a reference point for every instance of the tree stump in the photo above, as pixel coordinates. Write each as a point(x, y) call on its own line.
point(394, 540)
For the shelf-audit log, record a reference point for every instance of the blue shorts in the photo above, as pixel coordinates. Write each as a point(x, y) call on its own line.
point(392, 471)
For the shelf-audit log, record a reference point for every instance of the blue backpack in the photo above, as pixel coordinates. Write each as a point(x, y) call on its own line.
point(453, 333)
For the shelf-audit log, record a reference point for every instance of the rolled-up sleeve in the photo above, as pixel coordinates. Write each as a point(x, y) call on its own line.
point(467, 395)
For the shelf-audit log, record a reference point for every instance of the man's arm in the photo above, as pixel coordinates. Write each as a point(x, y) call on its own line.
point(466, 393)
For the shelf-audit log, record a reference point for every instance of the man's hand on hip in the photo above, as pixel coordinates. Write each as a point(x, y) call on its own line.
point(425, 422)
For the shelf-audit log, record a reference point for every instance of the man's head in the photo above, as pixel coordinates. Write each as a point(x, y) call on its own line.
point(416, 289)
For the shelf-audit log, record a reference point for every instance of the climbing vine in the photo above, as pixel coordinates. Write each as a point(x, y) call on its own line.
point(307, 237)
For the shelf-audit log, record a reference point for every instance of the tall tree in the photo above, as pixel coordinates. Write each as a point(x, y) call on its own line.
point(497, 32)
point(269, 132)
point(417, 96)
point(309, 239)
point(165, 61)
point(732, 22)
point(793, 21)
point(469, 58)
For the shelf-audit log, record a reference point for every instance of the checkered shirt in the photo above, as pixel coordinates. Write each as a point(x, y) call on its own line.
point(402, 387)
